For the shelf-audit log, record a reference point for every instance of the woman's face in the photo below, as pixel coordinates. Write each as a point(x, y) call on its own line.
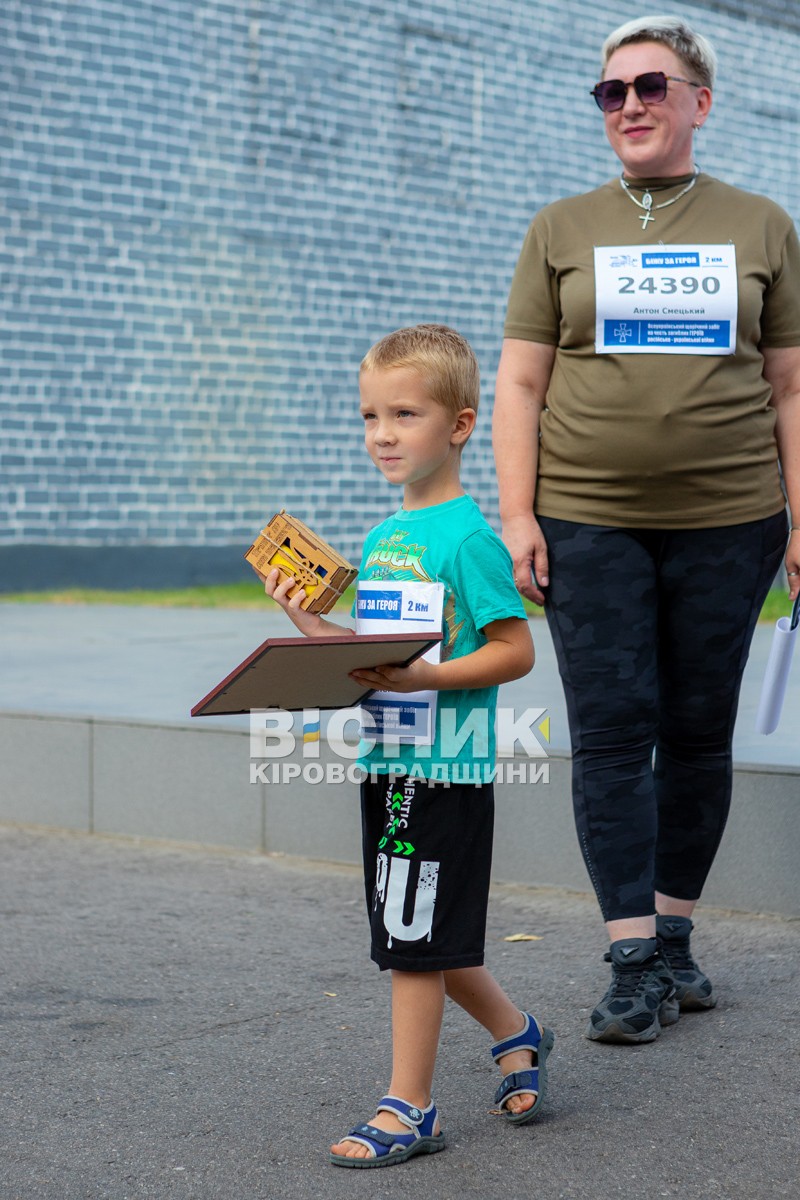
point(654, 139)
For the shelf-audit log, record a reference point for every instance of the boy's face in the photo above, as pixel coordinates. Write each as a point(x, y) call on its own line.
point(411, 439)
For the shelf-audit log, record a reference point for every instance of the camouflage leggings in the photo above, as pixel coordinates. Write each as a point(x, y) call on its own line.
point(652, 629)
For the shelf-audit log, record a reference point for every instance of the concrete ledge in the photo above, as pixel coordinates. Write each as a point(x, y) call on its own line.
point(192, 784)
point(184, 784)
point(42, 567)
point(46, 772)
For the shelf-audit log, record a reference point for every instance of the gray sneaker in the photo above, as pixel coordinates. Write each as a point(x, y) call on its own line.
point(693, 988)
point(641, 997)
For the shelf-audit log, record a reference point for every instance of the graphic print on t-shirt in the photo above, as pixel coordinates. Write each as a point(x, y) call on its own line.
point(398, 559)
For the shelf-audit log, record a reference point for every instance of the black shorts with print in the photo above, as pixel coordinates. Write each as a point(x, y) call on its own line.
point(427, 863)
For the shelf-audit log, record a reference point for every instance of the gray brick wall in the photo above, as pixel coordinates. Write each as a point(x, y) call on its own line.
point(208, 211)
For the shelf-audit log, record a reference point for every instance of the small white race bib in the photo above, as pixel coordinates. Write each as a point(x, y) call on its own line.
point(665, 299)
point(386, 606)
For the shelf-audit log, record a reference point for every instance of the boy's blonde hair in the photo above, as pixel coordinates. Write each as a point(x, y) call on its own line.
point(442, 358)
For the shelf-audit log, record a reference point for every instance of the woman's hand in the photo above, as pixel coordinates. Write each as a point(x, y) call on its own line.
point(523, 378)
point(792, 561)
point(782, 372)
point(525, 541)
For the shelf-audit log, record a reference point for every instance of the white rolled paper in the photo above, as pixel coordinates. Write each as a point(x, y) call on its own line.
point(776, 677)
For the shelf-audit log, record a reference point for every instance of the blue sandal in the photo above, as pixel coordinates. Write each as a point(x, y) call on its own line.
point(539, 1041)
point(390, 1148)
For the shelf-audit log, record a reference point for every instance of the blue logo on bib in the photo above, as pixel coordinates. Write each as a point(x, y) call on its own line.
point(384, 606)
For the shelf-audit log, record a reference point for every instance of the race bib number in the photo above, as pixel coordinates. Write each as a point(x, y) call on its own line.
point(386, 606)
point(665, 299)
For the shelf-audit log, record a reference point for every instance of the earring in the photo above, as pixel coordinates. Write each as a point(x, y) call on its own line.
point(697, 125)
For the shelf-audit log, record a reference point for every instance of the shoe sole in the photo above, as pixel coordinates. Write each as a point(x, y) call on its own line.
point(697, 1003)
point(668, 1014)
point(428, 1145)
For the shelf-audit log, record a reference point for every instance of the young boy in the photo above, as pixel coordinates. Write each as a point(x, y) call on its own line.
point(419, 397)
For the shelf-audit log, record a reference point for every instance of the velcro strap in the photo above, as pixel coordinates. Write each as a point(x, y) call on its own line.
point(373, 1134)
point(410, 1116)
point(515, 1084)
point(528, 1038)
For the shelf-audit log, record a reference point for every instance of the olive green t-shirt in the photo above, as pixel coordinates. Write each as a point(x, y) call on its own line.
point(655, 439)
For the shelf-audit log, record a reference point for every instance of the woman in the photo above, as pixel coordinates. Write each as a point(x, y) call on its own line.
point(649, 381)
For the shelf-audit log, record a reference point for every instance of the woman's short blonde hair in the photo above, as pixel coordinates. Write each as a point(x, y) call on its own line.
point(443, 359)
point(695, 52)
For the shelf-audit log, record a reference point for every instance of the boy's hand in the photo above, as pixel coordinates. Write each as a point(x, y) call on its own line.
point(419, 676)
point(309, 624)
point(279, 591)
point(508, 654)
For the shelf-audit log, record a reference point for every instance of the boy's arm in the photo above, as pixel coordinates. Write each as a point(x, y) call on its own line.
point(508, 654)
point(309, 624)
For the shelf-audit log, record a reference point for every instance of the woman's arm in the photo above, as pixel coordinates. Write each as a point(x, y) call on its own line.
point(782, 372)
point(522, 381)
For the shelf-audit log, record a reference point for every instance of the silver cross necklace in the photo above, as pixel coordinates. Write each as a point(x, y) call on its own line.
point(646, 202)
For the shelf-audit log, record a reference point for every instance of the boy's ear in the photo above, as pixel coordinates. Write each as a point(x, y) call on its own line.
point(464, 425)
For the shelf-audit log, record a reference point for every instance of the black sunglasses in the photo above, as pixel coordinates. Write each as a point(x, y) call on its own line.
point(651, 88)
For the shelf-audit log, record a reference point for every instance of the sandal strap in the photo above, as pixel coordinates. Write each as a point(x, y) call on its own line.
point(409, 1115)
point(366, 1134)
point(516, 1084)
point(419, 1121)
point(528, 1038)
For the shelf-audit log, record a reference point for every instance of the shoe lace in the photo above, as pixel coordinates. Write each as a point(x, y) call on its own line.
point(626, 980)
point(679, 955)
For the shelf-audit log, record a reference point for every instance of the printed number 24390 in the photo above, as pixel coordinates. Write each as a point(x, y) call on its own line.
point(669, 285)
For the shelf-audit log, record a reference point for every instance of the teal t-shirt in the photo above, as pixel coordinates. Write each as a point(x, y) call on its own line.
point(452, 544)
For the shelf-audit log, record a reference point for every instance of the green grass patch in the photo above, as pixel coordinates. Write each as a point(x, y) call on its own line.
point(776, 605)
point(244, 595)
point(247, 595)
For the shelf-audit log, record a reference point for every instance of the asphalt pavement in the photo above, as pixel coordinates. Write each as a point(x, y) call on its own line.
point(181, 1023)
